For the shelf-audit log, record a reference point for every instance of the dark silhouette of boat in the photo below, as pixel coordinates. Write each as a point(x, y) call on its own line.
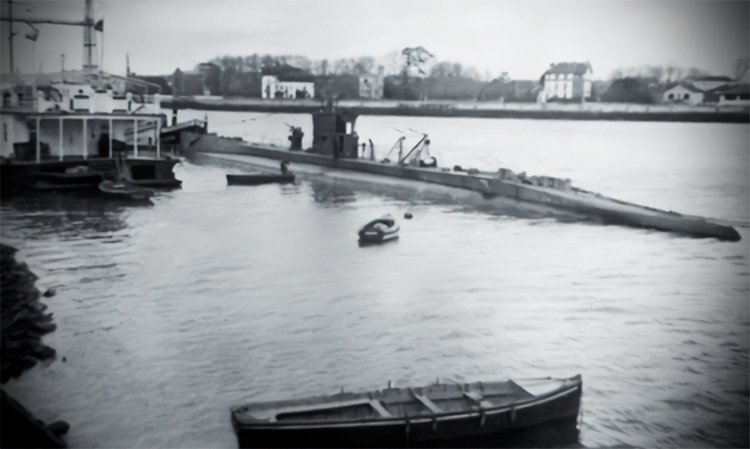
point(254, 179)
point(258, 179)
point(75, 178)
point(379, 230)
point(454, 415)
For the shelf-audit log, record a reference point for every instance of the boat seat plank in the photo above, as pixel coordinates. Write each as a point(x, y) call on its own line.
point(427, 402)
point(453, 395)
point(375, 404)
point(378, 406)
point(479, 399)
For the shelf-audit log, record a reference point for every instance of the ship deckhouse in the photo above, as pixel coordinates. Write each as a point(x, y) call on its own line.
point(64, 120)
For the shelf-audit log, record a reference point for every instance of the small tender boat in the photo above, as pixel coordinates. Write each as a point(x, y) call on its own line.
point(440, 414)
point(74, 178)
point(258, 179)
point(379, 230)
point(125, 191)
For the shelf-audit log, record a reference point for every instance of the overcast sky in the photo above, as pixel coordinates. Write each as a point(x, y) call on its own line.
point(518, 37)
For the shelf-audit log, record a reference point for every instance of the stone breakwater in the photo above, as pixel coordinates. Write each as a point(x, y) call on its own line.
point(23, 319)
point(23, 323)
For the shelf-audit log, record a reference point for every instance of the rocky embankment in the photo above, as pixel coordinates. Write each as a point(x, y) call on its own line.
point(23, 324)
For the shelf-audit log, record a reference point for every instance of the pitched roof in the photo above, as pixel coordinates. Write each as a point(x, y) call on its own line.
point(713, 78)
point(738, 89)
point(689, 87)
point(576, 68)
point(286, 72)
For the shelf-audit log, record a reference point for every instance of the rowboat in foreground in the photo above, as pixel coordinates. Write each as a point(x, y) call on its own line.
point(258, 179)
point(379, 230)
point(455, 415)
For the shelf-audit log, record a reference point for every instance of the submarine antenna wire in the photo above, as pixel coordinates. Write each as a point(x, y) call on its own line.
point(267, 114)
point(236, 123)
point(394, 147)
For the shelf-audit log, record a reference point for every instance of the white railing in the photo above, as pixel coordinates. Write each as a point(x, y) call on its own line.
point(97, 102)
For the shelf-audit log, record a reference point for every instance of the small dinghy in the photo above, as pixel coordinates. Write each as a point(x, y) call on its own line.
point(379, 230)
point(258, 179)
point(124, 191)
point(456, 415)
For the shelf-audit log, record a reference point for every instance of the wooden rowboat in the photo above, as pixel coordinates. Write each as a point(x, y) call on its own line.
point(125, 191)
point(379, 230)
point(440, 414)
point(258, 179)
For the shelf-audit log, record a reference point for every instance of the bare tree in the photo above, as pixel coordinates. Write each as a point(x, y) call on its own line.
point(616, 74)
point(267, 61)
point(655, 71)
point(472, 73)
point(670, 71)
point(441, 70)
point(364, 65)
point(694, 72)
point(457, 69)
point(416, 57)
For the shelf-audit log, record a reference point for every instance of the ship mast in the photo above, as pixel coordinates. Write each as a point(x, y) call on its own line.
point(89, 34)
point(89, 39)
point(10, 17)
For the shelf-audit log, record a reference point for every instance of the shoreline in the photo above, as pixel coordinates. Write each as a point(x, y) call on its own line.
point(23, 325)
point(469, 109)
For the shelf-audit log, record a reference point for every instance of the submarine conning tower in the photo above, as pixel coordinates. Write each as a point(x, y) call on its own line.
point(334, 134)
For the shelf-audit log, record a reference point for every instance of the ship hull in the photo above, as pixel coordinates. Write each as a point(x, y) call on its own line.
point(18, 177)
point(495, 423)
point(598, 207)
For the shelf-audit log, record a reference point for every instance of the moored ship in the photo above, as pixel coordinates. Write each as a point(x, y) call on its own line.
point(335, 150)
point(67, 137)
point(63, 131)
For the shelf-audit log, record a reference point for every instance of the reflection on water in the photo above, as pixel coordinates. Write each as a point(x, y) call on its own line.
point(168, 315)
point(70, 215)
point(332, 192)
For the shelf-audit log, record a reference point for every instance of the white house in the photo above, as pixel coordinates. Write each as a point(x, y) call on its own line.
point(735, 96)
point(272, 87)
point(683, 93)
point(567, 80)
point(705, 83)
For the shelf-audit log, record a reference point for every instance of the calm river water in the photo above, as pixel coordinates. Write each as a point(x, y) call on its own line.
point(168, 315)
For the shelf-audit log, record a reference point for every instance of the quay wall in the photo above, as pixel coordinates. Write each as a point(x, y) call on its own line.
point(548, 111)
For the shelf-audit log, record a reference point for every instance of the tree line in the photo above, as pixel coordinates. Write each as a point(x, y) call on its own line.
point(415, 74)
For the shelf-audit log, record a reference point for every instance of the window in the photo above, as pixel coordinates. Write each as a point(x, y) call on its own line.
point(671, 96)
point(687, 96)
